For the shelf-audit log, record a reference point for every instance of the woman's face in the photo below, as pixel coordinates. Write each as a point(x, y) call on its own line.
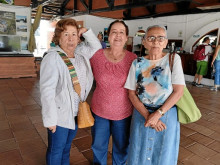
point(69, 38)
point(99, 37)
point(155, 40)
point(117, 35)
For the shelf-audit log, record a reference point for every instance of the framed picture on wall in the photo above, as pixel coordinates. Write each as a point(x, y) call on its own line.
point(7, 23)
point(15, 24)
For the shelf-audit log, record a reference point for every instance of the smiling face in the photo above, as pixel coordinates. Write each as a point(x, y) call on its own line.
point(69, 38)
point(117, 35)
point(155, 40)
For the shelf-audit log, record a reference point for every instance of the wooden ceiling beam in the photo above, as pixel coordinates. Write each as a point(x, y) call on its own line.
point(90, 5)
point(110, 3)
point(190, 11)
point(182, 6)
point(135, 5)
point(85, 5)
point(151, 9)
point(63, 6)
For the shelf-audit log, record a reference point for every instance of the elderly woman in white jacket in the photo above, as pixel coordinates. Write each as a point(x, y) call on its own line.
point(58, 97)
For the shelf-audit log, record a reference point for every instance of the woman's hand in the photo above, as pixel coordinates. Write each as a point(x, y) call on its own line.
point(53, 129)
point(212, 63)
point(152, 119)
point(82, 30)
point(160, 126)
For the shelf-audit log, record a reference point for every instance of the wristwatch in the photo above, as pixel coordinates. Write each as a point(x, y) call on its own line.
point(161, 112)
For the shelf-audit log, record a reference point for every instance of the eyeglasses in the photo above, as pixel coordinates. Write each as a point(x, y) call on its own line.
point(153, 38)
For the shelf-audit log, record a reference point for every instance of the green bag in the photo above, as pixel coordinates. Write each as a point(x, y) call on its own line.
point(187, 109)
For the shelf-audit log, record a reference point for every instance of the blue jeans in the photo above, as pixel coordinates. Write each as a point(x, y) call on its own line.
point(59, 145)
point(101, 131)
point(217, 72)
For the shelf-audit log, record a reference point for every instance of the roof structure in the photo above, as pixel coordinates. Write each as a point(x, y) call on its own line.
point(121, 9)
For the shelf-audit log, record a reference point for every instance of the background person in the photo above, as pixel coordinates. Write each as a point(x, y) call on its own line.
point(58, 97)
point(100, 37)
point(202, 66)
point(111, 106)
point(216, 62)
point(154, 91)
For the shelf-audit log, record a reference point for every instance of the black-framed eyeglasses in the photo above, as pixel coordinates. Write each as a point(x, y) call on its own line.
point(158, 38)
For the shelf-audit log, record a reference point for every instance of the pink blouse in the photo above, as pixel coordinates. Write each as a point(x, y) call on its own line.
point(110, 98)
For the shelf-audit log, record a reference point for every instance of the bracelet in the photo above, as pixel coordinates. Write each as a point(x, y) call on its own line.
point(161, 112)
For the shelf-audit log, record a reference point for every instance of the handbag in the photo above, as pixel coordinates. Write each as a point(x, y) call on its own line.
point(187, 109)
point(84, 117)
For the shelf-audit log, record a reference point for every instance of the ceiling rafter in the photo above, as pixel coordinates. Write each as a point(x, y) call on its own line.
point(110, 3)
point(134, 5)
point(90, 5)
point(181, 6)
point(85, 5)
point(151, 9)
point(74, 6)
point(190, 11)
point(52, 10)
point(196, 2)
point(127, 13)
point(63, 6)
point(57, 8)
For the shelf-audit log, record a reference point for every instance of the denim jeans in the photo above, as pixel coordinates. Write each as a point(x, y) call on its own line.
point(217, 72)
point(59, 145)
point(101, 131)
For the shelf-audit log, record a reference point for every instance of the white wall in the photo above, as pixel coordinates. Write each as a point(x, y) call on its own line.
point(96, 23)
point(200, 32)
point(187, 25)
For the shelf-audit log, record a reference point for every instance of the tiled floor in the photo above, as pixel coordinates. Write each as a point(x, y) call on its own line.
point(23, 138)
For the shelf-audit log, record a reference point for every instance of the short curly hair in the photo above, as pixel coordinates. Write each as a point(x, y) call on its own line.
point(60, 27)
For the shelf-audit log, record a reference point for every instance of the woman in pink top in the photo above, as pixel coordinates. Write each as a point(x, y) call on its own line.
point(111, 106)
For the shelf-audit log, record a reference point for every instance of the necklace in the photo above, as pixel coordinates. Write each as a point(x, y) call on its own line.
point(116, 58)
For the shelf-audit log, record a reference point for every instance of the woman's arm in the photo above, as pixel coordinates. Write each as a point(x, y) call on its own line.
point(93, 44)
point(170, 102)
point(159, 126)
point(173, 98)
point(138, 104)
point(49, 76)
point(215, 54)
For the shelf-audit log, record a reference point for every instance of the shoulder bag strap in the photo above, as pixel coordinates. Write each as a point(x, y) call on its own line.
point(171, 61)
point(72, 71)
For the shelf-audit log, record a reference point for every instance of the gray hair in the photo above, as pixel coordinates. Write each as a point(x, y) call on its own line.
point(156, 26)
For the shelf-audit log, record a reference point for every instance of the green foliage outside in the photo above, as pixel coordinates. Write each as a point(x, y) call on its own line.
point(10, 2)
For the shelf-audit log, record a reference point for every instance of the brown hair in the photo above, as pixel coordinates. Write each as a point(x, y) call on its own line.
point(60, 27)
point(205, 39)
point(118, 21)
